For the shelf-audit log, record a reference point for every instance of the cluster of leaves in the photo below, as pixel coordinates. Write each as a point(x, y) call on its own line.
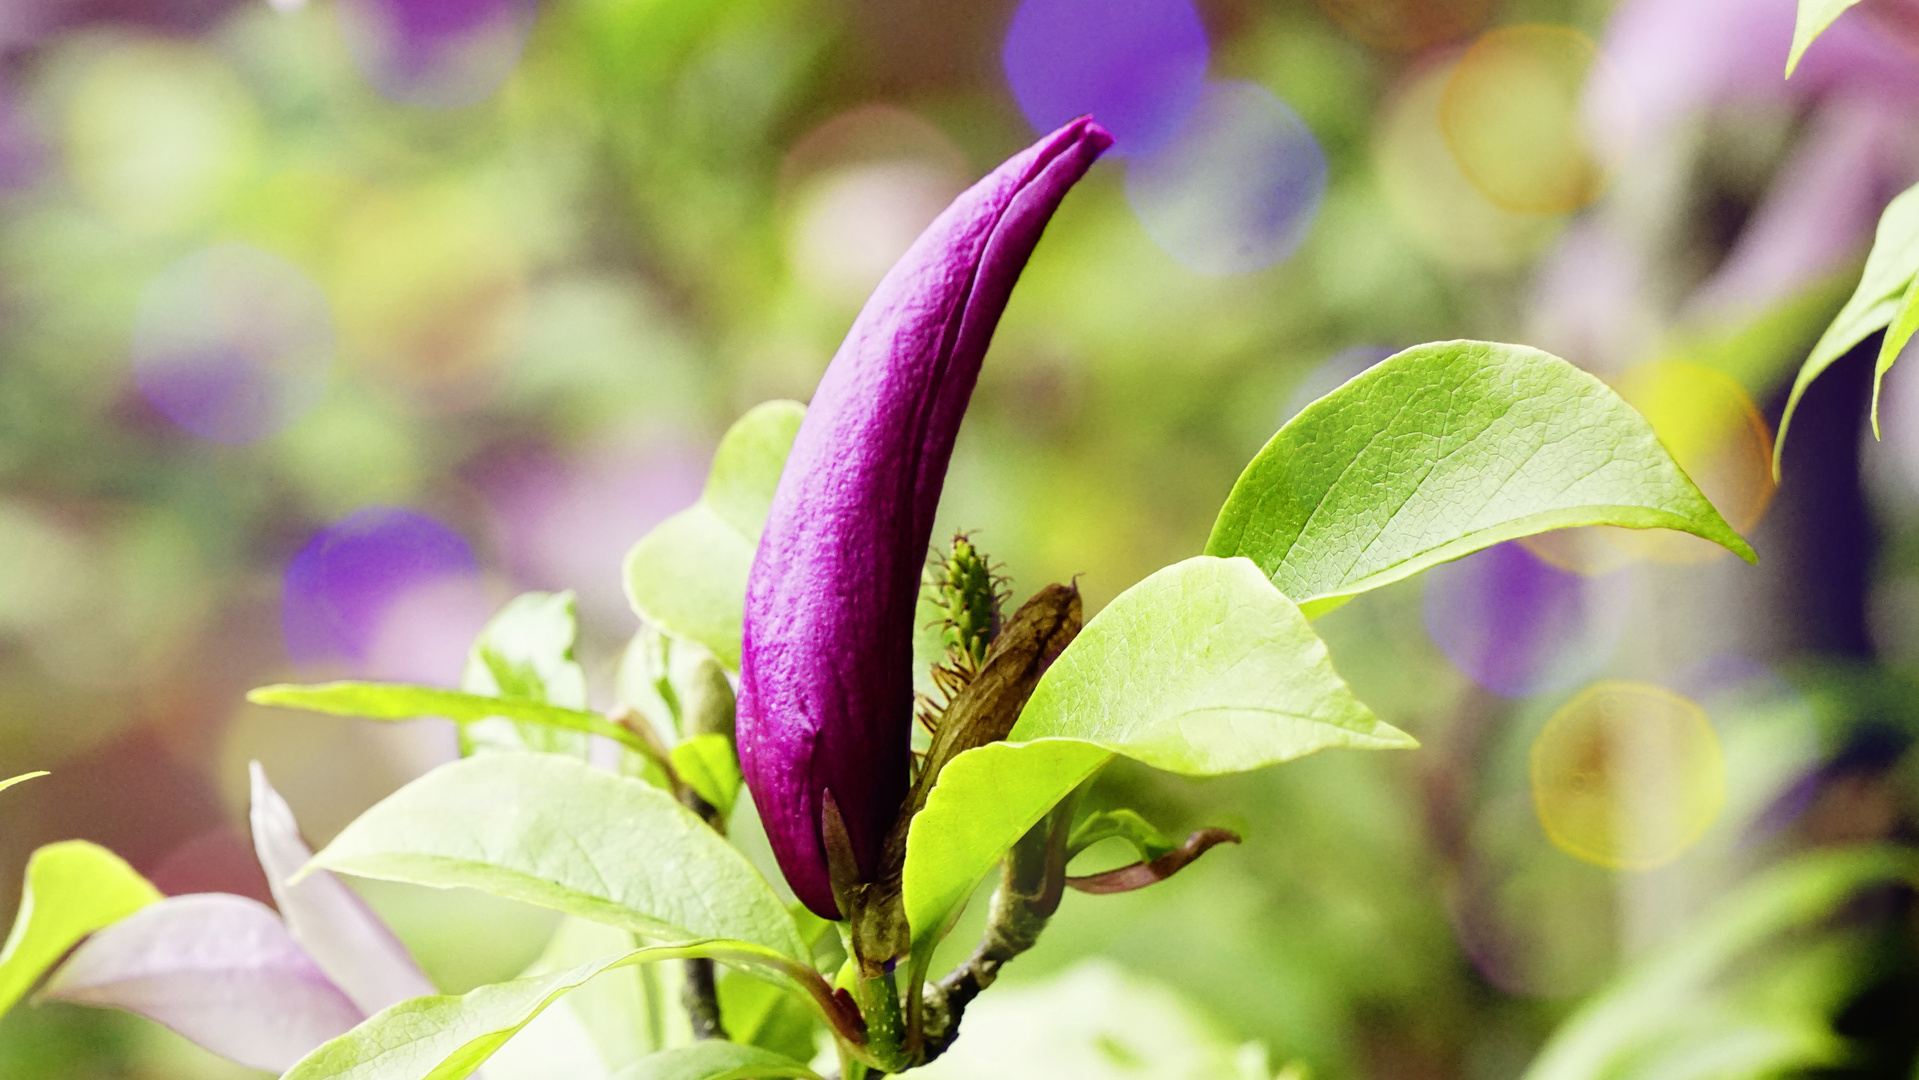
point(1209, 666)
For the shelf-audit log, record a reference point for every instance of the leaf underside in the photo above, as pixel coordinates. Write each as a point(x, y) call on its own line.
point(556, 832)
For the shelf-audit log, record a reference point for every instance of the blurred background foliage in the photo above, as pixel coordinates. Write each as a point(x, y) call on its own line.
point(326, 328)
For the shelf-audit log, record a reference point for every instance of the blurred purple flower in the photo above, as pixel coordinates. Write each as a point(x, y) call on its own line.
point(826, 685)
point(21, 153)
point(229, 974)
point(436, 53)
point(1678, 59)
point(353, 577)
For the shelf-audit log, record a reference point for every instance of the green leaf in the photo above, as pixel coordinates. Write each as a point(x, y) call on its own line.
point(1201, 669)
point(447, 1037)
point(984, 802)
point(708, 765)
point(759, 1014)
point(715, 1060)
point(526, 654)
point(1814, 17)
point(1648, 1005)
point(396, 701)
point(12, 780)
point(688, 575)
point(1443, 450)
point(1890, 268)
point(73, 888)
point(1904, 325)
point(555, 832)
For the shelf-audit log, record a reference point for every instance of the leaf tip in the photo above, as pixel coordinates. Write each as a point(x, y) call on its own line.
point(267, 695)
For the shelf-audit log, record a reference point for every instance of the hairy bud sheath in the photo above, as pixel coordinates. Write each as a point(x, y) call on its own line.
point(826, 683)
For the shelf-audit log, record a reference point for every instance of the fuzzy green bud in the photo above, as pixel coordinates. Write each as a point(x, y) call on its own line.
point(966, 593)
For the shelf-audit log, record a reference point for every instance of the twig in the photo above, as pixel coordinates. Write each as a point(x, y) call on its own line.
point(700, 994)
point(701, 997)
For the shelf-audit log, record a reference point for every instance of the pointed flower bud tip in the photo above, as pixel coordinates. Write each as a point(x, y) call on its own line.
point(826, 683)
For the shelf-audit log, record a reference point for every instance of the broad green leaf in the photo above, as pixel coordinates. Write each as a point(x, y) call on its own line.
point(526, 654)
point(709, 767)
point(73, 888)
point(1443, 450)
point(555, 832)
point(396, 701)
point(688, 576)
point(1652, 1003)
point(12, 780)
point(446, 1038)
point(1201, 669)
point(1888, 276)
point(716, 1060)
point(1814, 17)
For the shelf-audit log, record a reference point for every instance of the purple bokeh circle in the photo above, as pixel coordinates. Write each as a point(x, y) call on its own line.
point(232, 343)
point(1236, 187)
point(437, 54)
point(1138, 67)
point(341, 586)
point(1519, 627)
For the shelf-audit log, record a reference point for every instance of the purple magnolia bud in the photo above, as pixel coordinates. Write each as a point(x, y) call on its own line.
point(826, 678)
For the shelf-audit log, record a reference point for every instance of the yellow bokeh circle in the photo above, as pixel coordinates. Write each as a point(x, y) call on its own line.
point(1717, 436)
point(1433, 203)
point(1627, 776)
point(1714, 431)
point(1511, 112)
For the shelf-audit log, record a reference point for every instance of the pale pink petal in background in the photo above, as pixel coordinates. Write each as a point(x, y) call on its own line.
point(220, 970)
point(344, 937)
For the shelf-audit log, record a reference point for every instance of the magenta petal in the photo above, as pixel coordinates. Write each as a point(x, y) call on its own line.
point(344, 937)
point(220, 970)
point(826, 669)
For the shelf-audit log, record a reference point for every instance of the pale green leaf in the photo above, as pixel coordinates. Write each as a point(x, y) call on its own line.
point(555, 832)
point(1904, 325)
point(73, 888)
point(1890, 268)
point(715, 1060)
point(620, 1013)
point(708, 765)
point(1814, 17)
point(446, 1038)
point(688, 575)
point(1647, 1006)
point(397, 701)
point(12, 780)
point(1202, 668)
point(760, 1014)
point(1443, 450)
point(985, 800)
point(526, 654)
